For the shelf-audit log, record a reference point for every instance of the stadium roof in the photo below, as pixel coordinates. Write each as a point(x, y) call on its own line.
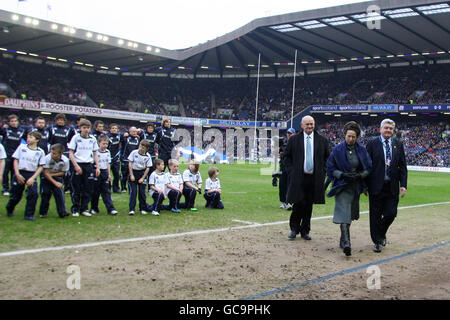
point(335, 38)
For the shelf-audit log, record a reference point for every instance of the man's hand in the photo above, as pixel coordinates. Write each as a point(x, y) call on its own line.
point(58, 185)
point(402, 192)
point(97, 172)
point(141, 180)
point(78, 170)
point(132, 179)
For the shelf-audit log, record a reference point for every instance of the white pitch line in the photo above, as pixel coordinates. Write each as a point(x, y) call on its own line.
point(246, 222)
point(182, 234)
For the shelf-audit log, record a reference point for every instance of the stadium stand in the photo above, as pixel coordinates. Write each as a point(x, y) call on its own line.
point(226, 98)
point(426, 140)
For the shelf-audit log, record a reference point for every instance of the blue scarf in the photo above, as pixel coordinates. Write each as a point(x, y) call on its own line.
point(338, 161)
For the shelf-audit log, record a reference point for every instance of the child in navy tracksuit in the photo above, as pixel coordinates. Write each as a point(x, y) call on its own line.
point(139, 164)
point(27, 163)
point(102, 183)
point(213, 190)
point(192, 180)
point(55, 168)
point(157, 184)
point(83, 154)
point(174, 184)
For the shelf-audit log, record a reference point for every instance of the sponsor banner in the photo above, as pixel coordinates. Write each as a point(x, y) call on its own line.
point(19, 103)
point(424, 107)
point(233, 123)
point(250, 124)
point(354, 108)
point(429, 169)
point(72, 109)
point(383, 107)
point(126, 115)
point(339, 108)
point(186, 120)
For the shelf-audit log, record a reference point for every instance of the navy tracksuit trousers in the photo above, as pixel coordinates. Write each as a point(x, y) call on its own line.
point(158, 199)
point(17, 192)
point(189, 196)
point(47, 189)
point(8, 169)
point(82, 187)
point(115, 170)
point(174, 199)
point(213, 200)
point(137, 189)
point(102, 187)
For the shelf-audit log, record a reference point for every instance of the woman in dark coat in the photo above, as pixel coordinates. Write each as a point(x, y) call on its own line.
point(347, 167)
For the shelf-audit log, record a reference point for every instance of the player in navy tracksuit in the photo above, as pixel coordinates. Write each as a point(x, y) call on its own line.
point(114, 148)
point(62, 134)
point(27, 163)
point(165, 136)
point(12, 137)
point(98, 129)
point(129, 143)
point(150, 134)
point(39, 126)
point(102, 186)
point(55, 167)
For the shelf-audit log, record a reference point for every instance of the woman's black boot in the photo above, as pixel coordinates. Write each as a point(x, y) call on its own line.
point(345, 239)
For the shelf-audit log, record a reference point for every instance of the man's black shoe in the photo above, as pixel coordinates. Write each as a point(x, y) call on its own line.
point(377, 247)
point(306, 236)
point(292, 235)
point(383, 242)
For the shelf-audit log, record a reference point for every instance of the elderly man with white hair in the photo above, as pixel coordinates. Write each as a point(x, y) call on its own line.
point(305, 160)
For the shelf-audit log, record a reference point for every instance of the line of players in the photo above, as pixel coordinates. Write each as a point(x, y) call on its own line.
point(95, 156)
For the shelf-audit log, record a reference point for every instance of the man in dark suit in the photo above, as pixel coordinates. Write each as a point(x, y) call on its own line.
point(386, 181)
point(304, 160)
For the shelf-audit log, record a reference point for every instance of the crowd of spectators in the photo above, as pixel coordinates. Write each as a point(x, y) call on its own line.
point(426, 143)
point(204, 98)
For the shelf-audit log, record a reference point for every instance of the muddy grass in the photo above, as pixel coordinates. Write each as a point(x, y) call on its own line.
point(245, 263)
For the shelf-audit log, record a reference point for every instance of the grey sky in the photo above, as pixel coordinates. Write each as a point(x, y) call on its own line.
point(174, 24)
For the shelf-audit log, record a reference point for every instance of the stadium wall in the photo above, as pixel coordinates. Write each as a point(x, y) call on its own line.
point(428, 169)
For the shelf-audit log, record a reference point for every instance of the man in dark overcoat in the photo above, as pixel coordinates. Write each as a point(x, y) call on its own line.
point(305, 162)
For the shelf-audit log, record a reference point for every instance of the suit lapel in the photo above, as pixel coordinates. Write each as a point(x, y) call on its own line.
point(380, 148)
point(316, 144)
point(394, 149)
point(301, 144)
